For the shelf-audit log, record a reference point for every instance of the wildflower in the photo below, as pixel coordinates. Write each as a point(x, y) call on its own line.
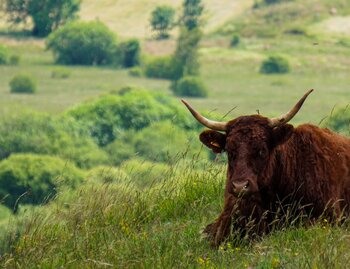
point(275, 262)
point(203, 261)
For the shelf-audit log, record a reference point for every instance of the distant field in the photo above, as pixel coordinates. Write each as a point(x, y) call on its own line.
point(130, 18)
point(231, 75)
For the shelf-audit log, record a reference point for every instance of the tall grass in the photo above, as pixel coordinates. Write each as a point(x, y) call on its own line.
point(121, 226)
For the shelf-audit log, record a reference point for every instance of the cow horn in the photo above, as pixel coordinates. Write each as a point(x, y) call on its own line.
point(214, 125)
point(275, 122)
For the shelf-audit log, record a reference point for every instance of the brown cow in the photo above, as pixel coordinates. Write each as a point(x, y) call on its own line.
point(272, 163)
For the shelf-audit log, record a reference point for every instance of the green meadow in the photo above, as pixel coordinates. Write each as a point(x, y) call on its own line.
point(146, 192)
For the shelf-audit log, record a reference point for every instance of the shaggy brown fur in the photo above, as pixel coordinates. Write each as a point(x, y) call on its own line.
point(269, 166)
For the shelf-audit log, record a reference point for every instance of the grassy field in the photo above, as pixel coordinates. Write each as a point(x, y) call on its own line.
point(232, 76)
point(130, 18)
point(123, 225)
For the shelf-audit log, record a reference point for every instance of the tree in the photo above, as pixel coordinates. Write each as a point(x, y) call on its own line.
point(47, 15)
point(192, 12)
point(162, 20)
point(186, 55)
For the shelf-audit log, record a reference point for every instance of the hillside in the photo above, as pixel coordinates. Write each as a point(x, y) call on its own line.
point(130, 18)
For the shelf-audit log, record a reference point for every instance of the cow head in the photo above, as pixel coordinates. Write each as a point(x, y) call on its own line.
point(249, 142)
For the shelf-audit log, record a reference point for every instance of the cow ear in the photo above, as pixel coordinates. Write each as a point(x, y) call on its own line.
point(282, 134)
point(214, 140)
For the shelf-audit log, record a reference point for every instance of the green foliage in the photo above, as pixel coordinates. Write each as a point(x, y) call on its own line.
point(186, 61)
point(235, 40)
point(34, 179)
point(339, 121)
point(23, 83)
point(47, 15)
point(14, 59)
point(141, 225)
point(120, 150)
point(107, 175)
point(5, 213)
point(145, 173)
point(130, 108)
point(4, 55)
point(60, 73)
point(44, 134)
point(192, 11)
point(161, 141)
point(131, 51)
point(84, 43)
point(275, 65)
point(163, 20)
point(136, 71)
point(191, 86)
point(161, 67)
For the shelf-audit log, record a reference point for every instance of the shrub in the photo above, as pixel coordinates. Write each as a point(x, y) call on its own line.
point(145, 173)
point(163, 20)
point(108, 116)
point(44, 134)
point(130, 53)
point(60, 73)
point(85, 43)
point(119, 151)
point(4, 55)
point(14, 59)
point(136, 71)
point(107, 175)
point(235, 41)
point(160, 67)
point(161, 141)
point(22, 84)
point(339, 121)
point(190, 86)
point(34, 179)
point(275, 65)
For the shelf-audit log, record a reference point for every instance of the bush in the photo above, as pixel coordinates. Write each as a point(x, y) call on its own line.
point(107, 175)
point(121, 149)
point(145, 173)
point(14, 59)
point(85, 43)
point(108, 116)
point(160, 67)
point(44, 134)
point(275, 65)
point(339, 121)
point(235, 41)
point(60, 73)
point(4, 55)
point(136, 72)
point(35, 179)
point(22, 84)
point(130, 53)
point(161, 141)
point(190, 86)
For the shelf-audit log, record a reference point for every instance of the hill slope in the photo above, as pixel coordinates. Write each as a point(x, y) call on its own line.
point(131, 17)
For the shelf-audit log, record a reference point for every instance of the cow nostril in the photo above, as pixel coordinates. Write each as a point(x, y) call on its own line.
point(242, 186)
point(246, 186)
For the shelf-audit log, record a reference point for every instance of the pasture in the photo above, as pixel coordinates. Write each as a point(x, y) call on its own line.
point(232, 76)
point(144, 213)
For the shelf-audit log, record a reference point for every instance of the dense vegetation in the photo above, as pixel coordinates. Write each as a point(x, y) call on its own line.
point(103, 174)
point(46, 15)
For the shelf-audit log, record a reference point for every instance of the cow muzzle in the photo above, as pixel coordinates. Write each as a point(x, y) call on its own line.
point(242, 187)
